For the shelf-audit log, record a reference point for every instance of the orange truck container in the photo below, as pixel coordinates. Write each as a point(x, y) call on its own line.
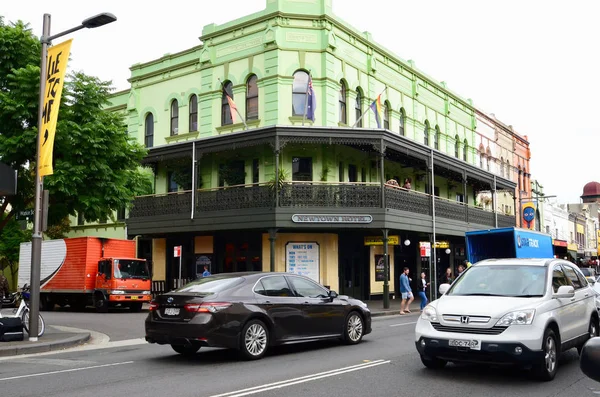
point(86, 271)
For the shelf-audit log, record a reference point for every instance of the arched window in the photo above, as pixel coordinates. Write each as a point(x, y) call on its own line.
point(149, 131)
point(508, 171)
point(519, 185)
point(386, 115)
point(481, 154)
point(502, 167)
point(299, 89)
point(193, 105)
point(402, 121)
point(174, 117)
point(342, 100)
point(525, 182)
point(437, 137)
point(358, 107)
point(226, 118)
point(426, 134)
point(465, 150)
point(457, 147)
point(252, 98)
point(488, 158)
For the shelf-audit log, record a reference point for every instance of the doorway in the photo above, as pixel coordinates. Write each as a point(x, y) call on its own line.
point(353, 266)
point(239, 252)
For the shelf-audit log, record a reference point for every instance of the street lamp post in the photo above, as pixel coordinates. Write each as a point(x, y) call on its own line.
point(36, 240)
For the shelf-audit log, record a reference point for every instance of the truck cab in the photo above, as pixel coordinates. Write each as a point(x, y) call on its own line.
point(122, 281)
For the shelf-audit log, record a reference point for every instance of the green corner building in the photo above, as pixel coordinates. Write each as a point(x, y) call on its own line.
point(264, 187)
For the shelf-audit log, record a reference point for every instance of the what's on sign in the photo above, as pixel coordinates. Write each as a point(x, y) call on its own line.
point(177, 251)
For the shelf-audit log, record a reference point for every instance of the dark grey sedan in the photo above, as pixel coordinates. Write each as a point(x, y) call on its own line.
point(253, 311)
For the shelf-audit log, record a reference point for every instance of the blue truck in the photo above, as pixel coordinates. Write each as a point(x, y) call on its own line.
point(508, 242)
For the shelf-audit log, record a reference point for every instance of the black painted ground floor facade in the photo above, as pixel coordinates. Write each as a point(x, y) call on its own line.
point(347, 259)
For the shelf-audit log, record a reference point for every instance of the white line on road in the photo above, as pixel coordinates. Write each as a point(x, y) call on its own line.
point(65, 370)
point(302, 379)
point(399, 325)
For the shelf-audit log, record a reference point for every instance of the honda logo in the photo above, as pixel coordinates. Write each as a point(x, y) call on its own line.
point(464, 319)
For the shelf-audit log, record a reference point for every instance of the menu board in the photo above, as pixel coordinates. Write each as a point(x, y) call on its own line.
point(303, 259)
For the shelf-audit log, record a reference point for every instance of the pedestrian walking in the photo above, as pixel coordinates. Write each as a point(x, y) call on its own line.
point(423, 286)
point(406, 292)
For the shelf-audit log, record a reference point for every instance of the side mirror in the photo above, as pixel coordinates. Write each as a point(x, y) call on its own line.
point(564, 291)
point(444, 288)
point(589, 360)
point(333, 295)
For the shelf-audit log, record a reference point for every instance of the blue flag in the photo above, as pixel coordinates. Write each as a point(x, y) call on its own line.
point(312, 100)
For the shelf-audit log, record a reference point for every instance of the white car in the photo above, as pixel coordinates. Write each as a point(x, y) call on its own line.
point(509, 311)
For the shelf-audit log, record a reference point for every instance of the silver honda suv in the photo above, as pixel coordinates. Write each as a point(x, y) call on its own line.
point(509, 311)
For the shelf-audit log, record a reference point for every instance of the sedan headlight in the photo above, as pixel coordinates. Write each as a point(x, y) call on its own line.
point(429, 314)
point(521, 317)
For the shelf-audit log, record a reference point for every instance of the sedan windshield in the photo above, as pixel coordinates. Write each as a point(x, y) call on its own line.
point(512, 280)
point(209, 285)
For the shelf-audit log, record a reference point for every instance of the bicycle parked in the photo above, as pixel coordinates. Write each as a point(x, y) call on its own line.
point(22, 310)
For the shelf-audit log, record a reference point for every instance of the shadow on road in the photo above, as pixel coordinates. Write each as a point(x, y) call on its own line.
point(493, 375)
point(221, 356)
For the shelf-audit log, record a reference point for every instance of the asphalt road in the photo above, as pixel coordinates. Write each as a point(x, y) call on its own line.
point(385, 364)
point(118, 324)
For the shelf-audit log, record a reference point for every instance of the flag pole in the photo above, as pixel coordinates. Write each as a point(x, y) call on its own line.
point(306, 97)
point(236, 109)
point(363, 115)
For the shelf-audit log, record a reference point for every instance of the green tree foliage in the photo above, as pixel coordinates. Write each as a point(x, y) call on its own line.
point(96, 165)
point(12, 237)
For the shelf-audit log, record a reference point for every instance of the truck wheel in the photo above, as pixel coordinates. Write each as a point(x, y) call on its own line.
point(135, 307)
point(101, 303)
point(46, 303)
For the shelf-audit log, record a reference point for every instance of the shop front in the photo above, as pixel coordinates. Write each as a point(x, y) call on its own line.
point(560, 248)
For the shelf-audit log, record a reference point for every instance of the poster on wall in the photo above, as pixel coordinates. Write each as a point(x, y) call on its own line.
point(380, 268)
point(303, 258)
point(201, 261)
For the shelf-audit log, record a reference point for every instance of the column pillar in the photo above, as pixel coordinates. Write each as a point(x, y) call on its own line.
point(386, 272)
point(272, 239)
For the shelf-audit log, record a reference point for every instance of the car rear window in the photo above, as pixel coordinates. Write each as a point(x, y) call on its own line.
point(210, 285)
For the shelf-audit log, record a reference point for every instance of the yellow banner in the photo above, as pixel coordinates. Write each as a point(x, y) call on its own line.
point(57, 58)
point(378, 240)
point(580, 229)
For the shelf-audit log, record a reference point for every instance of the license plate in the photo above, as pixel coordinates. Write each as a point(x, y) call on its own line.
point(134, 298)
point(171, 311)
point(471, 344)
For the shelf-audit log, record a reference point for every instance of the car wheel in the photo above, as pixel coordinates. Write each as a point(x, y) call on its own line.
point(546, 368)
point(254, 340)
point(433, 362)
point(353, 328)
point(186, 350)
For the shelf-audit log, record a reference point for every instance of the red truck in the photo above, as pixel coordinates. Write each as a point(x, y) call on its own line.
point(84, 271)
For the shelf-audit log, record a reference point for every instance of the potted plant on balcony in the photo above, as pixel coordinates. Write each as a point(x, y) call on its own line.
point(278, 183)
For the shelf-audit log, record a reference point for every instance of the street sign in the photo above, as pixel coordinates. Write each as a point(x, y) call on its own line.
point(177, 251)
point(425, 247)
point(25, 214)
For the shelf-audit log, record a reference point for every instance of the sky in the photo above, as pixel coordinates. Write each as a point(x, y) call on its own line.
point(532, 63)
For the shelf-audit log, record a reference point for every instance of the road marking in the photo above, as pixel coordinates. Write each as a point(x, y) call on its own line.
point(399, 325)
point(65, 370)
point(302, 379)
